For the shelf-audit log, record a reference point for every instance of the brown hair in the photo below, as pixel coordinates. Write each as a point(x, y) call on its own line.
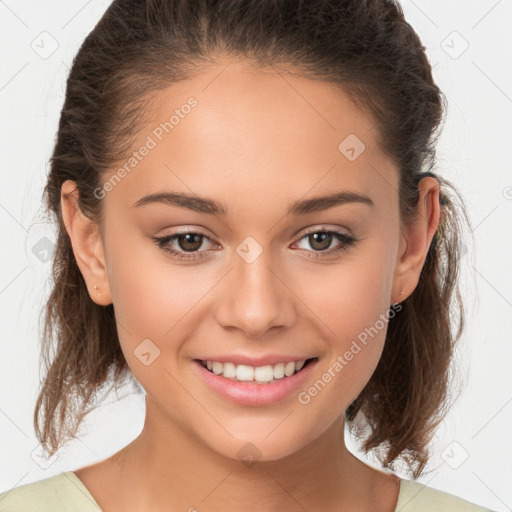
point(364, 47)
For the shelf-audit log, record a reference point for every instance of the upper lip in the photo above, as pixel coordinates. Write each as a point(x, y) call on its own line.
point(269, 359)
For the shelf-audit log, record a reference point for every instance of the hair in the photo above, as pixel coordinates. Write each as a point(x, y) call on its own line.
point(363, 47)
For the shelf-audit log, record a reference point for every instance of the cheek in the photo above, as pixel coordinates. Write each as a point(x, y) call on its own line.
point(153, 297)
point(161, 300)
point(352, 306)
point(348, 297)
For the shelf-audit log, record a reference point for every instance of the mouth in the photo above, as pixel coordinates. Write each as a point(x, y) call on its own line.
point(255, 386)
point(267, 374)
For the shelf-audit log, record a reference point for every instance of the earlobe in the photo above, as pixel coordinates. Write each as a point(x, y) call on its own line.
point(86, 243)
point(401, 298)
point(418, 235)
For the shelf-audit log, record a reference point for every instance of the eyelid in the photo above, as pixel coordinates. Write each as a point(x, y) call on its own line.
point(324, 227)
point(347, 241)
point(185, 230)
point(313, 229)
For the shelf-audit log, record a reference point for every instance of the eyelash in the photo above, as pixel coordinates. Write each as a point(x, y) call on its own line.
point(163, 243)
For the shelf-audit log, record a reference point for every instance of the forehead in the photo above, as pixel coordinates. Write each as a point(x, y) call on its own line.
point(240, 133)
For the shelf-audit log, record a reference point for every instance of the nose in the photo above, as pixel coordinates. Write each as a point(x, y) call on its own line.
point(255, 297)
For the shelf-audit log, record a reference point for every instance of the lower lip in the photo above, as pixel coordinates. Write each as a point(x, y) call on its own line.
point(252, 393)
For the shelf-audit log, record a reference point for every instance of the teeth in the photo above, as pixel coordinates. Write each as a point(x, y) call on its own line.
point(244, 372)
point(289, 368)
point(229, 370)
point(279, 370)
point(264, 373)
point(261, 374)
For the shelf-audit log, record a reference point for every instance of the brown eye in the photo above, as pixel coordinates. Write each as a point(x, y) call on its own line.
point(187, 244)
point(321, 240)
point(189, 241)
point(183, 245)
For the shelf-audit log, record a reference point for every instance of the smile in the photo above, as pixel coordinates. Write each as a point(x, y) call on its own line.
point(261, 374)
point(254, 385)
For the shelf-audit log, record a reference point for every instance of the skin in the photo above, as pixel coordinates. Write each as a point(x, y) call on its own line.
point(257, 141)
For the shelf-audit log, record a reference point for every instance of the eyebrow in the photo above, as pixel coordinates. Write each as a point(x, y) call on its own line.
point(205, 205)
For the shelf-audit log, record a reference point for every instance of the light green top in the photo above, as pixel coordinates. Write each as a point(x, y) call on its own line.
point(65, 492)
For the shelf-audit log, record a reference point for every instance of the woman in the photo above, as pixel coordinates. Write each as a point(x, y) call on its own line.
point(249, 228)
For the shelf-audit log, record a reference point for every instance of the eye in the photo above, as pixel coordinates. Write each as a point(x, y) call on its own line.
point(321, 240)
point(189, 242)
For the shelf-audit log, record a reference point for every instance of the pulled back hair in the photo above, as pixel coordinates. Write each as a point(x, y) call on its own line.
point(364, 47)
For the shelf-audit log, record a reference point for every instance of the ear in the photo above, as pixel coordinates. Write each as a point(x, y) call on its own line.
point(87, 245)
point(416, 238)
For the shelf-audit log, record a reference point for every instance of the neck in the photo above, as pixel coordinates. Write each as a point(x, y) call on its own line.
point(166, 465)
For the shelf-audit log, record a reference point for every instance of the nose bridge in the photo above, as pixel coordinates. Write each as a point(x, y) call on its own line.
point(256, 299)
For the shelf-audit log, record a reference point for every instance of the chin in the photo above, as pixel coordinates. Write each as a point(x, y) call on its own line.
point(260, 448)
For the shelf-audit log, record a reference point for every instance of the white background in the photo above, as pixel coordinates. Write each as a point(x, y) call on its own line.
point(473, 448)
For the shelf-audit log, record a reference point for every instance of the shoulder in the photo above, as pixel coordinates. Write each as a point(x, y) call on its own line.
point(417, 497)
point(63, 492)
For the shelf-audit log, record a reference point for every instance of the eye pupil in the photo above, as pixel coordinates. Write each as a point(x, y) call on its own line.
point(187, 245)
point(195, 246)
point(322, 236)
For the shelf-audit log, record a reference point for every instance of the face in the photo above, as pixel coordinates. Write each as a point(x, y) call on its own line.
point(258, 278)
